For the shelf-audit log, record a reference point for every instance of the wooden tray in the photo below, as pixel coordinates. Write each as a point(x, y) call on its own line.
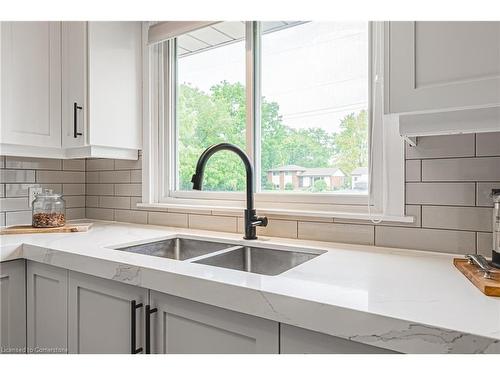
point(490, 287)
point(25, 229)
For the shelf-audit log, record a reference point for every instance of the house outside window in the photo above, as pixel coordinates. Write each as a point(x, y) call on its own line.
point(294, 177)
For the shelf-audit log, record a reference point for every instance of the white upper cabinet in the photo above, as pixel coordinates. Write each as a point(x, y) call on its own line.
point(30, 82)
point(71, 89)
point(74, 88)
point(435, 66)
point(115, 84)
point(102, 83)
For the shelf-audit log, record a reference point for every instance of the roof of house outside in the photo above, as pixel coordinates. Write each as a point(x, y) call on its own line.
point(304, 172)
point(317, 172)
point(359, 171)
point(288, 168)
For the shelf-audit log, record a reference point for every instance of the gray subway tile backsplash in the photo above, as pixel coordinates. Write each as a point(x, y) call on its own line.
point(91, 201)
point(168, 219)
point(18, 218)
point(275, 228)
point(99, 213)
point(463, 169)
point(442, 146)
point(114, 202)
point(18, 174)
point(128, 164)
point(488, 144)
point(12, 162)
point(114, 177)
point(14, 204)
point(460, 218)
point(438, 193)
point(130, 190)
point(73, 189)
point(74, 165)
point(483, 193)
point(484, 243)
point(448, 241)
point(216, 223)
point(447, 191)
point(413, 170)
point(130, 216)
point(65, 177)
point(17, 190)
point(100, 189)
point(347, 233)
point(100, 165)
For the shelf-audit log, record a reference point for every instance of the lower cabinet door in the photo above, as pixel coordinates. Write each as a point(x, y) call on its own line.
point(101, 317)
point(47, 306)
point(184, 326)
point(295, 340)
point(12, 307)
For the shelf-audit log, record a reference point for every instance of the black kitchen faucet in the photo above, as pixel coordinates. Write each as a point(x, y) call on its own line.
point(251, 219)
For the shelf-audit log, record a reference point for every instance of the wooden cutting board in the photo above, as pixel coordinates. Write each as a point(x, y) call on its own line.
point(25, 229)
point(490, 287)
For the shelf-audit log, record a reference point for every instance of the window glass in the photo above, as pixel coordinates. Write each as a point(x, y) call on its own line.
point(314, 123)
point(211, 105)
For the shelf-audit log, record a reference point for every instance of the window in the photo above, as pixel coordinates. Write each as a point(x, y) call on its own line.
point(298, 97)
point(313, 105)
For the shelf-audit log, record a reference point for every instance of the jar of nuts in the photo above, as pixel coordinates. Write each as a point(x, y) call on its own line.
point(49, 210)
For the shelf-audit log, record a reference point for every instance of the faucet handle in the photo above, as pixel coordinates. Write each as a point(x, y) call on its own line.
point(260, 221)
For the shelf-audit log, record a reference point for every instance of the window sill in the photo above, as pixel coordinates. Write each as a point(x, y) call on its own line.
point(238, 211)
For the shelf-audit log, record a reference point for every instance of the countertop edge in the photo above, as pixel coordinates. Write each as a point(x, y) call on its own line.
point(364, 327)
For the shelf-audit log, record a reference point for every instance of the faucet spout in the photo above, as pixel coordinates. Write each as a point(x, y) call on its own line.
point(251, 218)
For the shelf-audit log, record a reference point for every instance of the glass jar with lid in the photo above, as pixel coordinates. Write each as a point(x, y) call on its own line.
point(49, 210)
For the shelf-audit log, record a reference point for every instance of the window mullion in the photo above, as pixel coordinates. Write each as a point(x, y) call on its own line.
point(170, 118)
point(252, 48)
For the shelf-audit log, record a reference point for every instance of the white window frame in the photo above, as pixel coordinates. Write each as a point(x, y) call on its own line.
point(386, 200)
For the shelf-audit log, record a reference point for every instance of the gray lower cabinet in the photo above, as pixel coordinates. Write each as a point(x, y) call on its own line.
point(184, 326)
point(47, 309)
point(295, 340)
point(100, 315)
point(12, 307)
point(47, 306)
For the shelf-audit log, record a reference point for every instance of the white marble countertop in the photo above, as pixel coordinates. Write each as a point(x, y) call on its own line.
point(403, 300)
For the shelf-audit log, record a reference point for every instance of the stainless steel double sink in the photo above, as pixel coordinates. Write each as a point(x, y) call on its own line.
point(260, 260)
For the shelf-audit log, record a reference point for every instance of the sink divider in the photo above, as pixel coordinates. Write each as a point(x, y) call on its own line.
point(215, 253)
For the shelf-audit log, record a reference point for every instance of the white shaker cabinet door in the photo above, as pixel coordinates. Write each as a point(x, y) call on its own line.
point(12, 307)
point(101, 317)
point(74, 83)
point(115, 84)
point(30, 81)
point(439, 65)
point(47, 306)
point(183, 326)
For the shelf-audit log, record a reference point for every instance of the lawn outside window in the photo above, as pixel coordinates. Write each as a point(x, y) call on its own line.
point(300, 98)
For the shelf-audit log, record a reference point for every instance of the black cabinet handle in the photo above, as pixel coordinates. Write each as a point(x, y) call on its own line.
point(76, 107)
point(149, 311)
point(133, 307)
